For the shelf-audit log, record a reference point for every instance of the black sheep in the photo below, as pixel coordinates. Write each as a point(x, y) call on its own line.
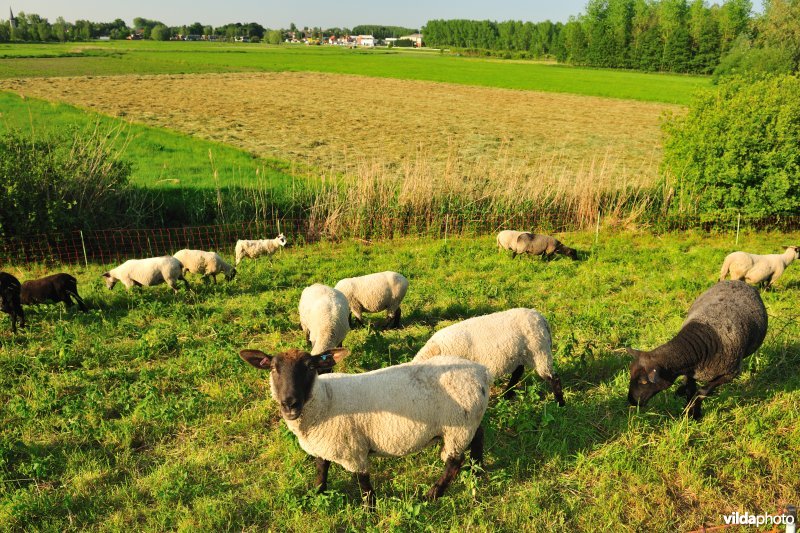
point(10, 300)
point(55, 288)
point(725, 324)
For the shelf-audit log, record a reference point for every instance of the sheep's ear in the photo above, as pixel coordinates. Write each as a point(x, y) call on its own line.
point(327, 360)
point(257, 358)
point(633, 353)
point(106, 274)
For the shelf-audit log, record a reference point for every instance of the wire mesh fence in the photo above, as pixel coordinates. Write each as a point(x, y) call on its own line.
point(115, 245)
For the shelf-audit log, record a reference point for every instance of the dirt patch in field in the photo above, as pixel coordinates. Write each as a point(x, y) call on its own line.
point(338, 121)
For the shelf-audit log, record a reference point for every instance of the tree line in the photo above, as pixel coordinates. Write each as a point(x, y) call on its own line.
point(652, 35)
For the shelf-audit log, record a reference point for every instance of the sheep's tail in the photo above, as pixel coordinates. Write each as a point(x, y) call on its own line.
point(726, 265)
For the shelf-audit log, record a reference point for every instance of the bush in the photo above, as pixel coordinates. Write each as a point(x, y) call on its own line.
point(72, 182)
point(737, 149)
point(744, 59)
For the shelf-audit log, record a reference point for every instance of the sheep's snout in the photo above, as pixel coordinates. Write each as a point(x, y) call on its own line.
point(291, 408)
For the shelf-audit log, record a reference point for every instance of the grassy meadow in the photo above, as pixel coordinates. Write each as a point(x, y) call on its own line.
point(140, 57)
point(140, 416)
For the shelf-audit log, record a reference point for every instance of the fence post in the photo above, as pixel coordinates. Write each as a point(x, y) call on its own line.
point(738, 221)
point(83, 245)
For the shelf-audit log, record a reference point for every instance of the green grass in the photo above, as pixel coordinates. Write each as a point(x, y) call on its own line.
point(140, 416)
point(161, 158)
point(83, 59)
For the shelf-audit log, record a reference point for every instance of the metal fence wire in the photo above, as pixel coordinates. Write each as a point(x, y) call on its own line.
point(115, 245)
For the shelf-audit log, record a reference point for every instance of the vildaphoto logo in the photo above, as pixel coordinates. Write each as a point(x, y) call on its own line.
point(751, 519)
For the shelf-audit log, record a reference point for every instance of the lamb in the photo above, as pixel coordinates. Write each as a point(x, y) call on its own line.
point(207, 264)
point(256, 248)
point(724, 325)
point(373, 293)
point(505, 342)
point(523, 242)
point(324, 317)
point(147, 272)
point(56, 288)
point(10, 300)
point(758, 269)
point(393, 411)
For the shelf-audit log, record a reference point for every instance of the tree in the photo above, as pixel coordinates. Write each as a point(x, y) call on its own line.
point(160, 33)
point(733, 20)
point(275, 37)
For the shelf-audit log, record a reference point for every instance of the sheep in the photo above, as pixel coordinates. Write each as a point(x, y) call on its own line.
point(256, 248)
point(324, 317)
point(523, 242)
point(393, 411)
point(147, 272)
point(208, 264)
point(373, 293)
point(724, 325)
point(505, 342)
point(758, 269)
point(10, 300)
point(57, 288)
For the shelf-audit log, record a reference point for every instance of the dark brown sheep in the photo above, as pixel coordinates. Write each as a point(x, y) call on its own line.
point(10, 300)
point(725, 324)
point(55, 288)
point(543, 245)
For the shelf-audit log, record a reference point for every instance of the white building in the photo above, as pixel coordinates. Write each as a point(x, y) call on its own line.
point(365, 40)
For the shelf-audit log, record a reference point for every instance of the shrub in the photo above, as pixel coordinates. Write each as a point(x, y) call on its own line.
point(737, 149)
point(72, 181)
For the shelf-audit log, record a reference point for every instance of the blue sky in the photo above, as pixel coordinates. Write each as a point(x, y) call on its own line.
point(273, 14)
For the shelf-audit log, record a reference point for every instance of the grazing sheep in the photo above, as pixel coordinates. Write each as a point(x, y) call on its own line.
point(505, 342)
point(373, 293)
point(324, 317)
point(761, 269)
point(725, 324)
point(147, 272)
point(55, 288)
point(10, 300)
point(256, 248)
point(523, 242)
point(393, 411)
point(207, 264)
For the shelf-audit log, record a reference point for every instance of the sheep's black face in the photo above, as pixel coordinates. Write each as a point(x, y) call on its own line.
point(645, 383)
point(231, 275)
point(293, 375)
point(293, 380)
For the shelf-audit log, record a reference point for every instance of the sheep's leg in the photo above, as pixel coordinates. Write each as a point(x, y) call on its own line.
point(688, 389)
point(367, 492)
point(322, 474)
point(81, 304)
point(515, 377)
point(555, 386)
point(476, 447)
point(695, 405)
point(451, 468)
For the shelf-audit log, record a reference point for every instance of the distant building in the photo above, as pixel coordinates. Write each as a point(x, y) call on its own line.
point(12, 20)
point(415, 38)
point(365, 40)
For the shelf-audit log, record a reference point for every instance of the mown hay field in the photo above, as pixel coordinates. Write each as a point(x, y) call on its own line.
point(339, 123)
point(139, 415)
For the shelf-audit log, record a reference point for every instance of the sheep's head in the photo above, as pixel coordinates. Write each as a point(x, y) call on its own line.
point(230, 274)
point(293, 375)
point(281, 239)
point(647, 379)
point(110, 280)
point(796, 250)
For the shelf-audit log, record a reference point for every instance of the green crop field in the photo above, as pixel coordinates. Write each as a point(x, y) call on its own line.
point(140, 416)
point(96, 59)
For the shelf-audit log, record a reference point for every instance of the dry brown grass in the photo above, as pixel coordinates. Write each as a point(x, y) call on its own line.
point(340, 123)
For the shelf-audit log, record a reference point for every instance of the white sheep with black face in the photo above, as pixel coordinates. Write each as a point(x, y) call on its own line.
point(147, 272)
point(505, 342)
point(324, 317)
point(256, 248)
point(394, 411)
point(760, 269)
point(373, 293)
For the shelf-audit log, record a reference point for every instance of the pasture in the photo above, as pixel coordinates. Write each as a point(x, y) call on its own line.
point(140, 415)
point(148, 57)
